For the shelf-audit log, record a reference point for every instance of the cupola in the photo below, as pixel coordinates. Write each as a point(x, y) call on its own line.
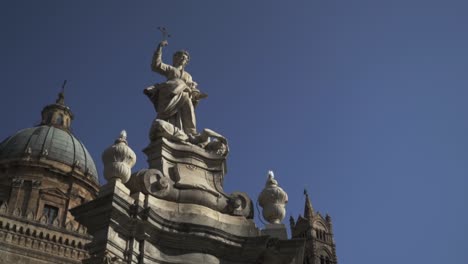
point(58, 115)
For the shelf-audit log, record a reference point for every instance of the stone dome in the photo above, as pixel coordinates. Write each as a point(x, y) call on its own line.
point(49, 143)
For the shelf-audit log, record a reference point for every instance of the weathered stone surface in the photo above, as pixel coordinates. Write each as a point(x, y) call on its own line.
point(44, 171)
point(175, 211)
point(175, 99)
point(140, 228)
point(318, 233)
point(186, 173)
point(273, 201)
point(118, 160)
point(276, 231)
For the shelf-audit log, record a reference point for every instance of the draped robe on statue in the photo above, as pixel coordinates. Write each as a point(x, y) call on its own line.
point(173, 99)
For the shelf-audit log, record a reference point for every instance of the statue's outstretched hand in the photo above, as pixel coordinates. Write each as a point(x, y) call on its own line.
point(163, 43)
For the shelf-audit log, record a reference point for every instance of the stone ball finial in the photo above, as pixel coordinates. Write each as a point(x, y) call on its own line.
point(273, 200)
point(119, 159)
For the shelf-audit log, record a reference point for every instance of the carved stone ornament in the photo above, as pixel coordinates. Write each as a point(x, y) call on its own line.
point(16, 182)
point(118, 160)
point(208, 139)
point(109, 258)
point(30, 215)
point(4, 208)
point(27, 152)
point(36, 183)
point(56, 222)
point(17, 212)
point(43, 219)
point(190, 184)
point(70, 226)
point(81, 229)
point(273, 201)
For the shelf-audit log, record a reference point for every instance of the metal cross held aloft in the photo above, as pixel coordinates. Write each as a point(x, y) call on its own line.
point(164, 32)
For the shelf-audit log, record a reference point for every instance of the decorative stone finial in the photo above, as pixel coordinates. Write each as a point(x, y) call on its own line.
point(122, 137)
point(273, 200)
point(119, 159)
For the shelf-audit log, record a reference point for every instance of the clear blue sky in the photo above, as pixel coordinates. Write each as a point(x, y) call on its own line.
point(361, 102)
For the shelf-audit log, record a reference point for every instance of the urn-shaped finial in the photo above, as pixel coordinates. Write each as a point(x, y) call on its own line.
point(273, 200)
point(119, 159)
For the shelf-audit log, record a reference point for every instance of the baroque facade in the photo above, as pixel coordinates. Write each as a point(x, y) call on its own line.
point(53, 210)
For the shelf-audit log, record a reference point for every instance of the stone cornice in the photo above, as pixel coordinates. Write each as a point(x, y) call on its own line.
point(4, 218)
point(57, 246)
point(22, 163)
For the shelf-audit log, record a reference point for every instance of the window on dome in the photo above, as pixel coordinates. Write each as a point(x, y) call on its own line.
point(49, 118)
point(59, 120)
point(51, 212)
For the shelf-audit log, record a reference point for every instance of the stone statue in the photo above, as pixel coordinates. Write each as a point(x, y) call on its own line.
point(175, 99)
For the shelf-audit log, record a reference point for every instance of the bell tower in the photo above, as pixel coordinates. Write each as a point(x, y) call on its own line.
point(318, 232)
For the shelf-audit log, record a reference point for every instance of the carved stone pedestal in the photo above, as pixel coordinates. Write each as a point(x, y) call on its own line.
point(177, 212)
point(276, 231)
point(188, 174)
point(144, 229)
point(112, 221)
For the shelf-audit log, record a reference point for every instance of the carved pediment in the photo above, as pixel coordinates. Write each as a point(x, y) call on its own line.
point(54, 192)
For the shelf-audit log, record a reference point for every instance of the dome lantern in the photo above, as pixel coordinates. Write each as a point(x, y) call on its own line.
point(58, 115)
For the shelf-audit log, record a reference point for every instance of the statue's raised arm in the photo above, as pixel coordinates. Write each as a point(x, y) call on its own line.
point(157, 65)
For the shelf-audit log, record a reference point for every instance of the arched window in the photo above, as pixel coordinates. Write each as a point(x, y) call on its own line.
point(51, 212)
point(59, 120)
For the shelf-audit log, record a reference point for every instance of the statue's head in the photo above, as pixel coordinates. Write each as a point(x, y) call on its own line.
point(180, 58)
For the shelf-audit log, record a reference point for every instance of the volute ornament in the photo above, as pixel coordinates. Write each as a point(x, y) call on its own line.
point(273, 201)
point(118, 160)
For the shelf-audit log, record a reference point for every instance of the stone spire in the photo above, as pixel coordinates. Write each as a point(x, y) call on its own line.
point(308, 209)
point(58, 115)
